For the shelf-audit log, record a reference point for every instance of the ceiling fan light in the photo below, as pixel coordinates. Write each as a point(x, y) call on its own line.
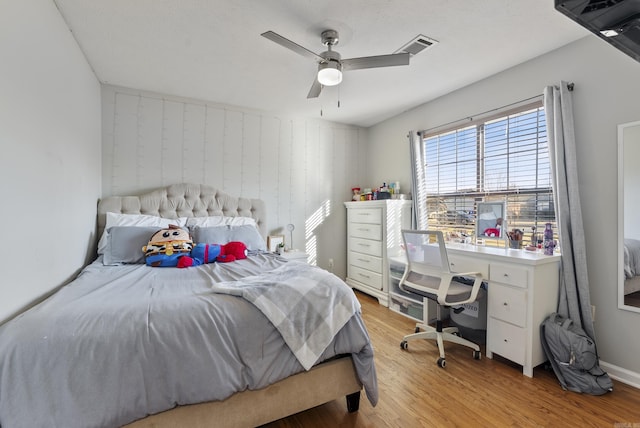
point(330, 73)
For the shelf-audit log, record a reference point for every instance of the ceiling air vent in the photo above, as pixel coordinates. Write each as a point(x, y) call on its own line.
point(417, 45)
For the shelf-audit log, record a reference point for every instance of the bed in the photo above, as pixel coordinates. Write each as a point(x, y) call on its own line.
point(221, 344)
point(631, 265)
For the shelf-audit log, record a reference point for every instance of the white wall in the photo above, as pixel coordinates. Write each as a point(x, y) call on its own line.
point(606, 93)
point(50, 162)
point(303, 168)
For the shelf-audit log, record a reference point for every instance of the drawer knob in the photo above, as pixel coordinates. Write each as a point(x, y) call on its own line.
point(506, 275)
point(363, 275)
point(364, 260)
point(505, 304)
point(364, 245)
point(506, 341)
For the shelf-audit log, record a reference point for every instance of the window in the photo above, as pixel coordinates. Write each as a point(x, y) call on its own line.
point(502, 158)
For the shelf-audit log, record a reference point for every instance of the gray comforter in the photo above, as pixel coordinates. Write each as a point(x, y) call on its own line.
point(122, 342)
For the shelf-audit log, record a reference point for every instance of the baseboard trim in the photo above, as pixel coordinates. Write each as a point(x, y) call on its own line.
point(620, 374)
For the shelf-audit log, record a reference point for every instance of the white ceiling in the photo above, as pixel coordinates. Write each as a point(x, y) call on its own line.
point(212, 49)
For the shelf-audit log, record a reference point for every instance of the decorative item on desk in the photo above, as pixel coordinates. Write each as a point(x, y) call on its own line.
point(534, 237)
point(515, 239)
point(491, 220)
point(549, 243)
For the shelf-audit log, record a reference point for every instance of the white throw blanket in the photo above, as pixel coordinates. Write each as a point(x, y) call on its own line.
point(294, 298)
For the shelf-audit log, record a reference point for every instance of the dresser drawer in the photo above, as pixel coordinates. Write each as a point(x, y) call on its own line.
point(365, 215)
point(365, 276)
point(507, 340)
point(366, 246)
point(366, 230)
point(365, 261)
point(508, 304)
point(508, 274)
point(467, 264)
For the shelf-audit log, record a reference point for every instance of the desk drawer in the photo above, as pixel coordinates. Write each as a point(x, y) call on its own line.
point(365, 276)
point(366, 230)
point(365, 215)
point(366, 246)
point(507, 340)
point(467, 264)
point(365, 261)
point(508, 304)
point(508, 274)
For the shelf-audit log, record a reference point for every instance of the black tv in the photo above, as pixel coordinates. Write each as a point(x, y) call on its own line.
point(616, 21)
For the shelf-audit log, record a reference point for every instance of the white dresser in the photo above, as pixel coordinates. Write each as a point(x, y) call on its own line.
point(373, 235)
point(522, 292)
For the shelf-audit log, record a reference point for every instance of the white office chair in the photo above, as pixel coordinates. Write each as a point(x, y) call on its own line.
point(429, 275)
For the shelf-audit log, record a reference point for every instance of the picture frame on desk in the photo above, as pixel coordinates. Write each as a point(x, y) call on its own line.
point(490, 220)
point(273, 241)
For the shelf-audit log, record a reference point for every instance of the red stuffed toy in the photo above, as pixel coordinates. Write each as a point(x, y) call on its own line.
point(232, 251)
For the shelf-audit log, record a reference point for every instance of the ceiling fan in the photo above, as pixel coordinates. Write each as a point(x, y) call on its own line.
point(331, 64)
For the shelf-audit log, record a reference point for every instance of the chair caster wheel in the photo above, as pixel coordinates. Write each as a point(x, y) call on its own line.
point(404, 345)
point(441, 362)
point(477, 355)
point(417, 330)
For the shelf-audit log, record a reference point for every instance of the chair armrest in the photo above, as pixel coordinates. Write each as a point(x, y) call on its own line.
point(475, 289)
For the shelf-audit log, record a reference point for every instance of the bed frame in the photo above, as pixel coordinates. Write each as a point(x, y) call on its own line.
point(323, 383)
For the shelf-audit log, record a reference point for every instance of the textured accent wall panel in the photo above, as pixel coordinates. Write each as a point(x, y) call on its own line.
point(214, 141)
point(302, 168)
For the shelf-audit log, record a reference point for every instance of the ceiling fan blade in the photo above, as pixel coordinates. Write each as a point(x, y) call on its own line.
point(376, 61)
point(282, 41)
point(314, 92)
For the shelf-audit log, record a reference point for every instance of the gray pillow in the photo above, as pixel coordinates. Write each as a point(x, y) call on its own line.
point(247, 234)
point(124, 244)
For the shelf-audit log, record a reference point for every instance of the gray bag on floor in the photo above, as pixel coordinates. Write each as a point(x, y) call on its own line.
point(573, 356)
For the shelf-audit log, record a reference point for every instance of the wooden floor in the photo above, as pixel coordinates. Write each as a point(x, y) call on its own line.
point(415, 392)
point(632, 299)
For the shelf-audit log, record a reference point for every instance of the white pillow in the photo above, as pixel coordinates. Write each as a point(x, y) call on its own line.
point(219, 221)
point(141, 220)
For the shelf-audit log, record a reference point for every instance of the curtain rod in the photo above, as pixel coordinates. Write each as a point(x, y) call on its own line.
point(570, 87)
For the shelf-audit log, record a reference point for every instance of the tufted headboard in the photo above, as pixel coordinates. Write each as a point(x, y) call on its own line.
point(184, 200)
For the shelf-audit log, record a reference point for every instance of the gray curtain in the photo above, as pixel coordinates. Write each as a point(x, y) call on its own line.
point(574, 301)
point(418, 184)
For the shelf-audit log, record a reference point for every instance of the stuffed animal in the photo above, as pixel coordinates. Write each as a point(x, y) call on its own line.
point(209, 253)
point(173, 247)
point(167, 246)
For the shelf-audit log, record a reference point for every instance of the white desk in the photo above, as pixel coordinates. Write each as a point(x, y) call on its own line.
point(523, 290)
